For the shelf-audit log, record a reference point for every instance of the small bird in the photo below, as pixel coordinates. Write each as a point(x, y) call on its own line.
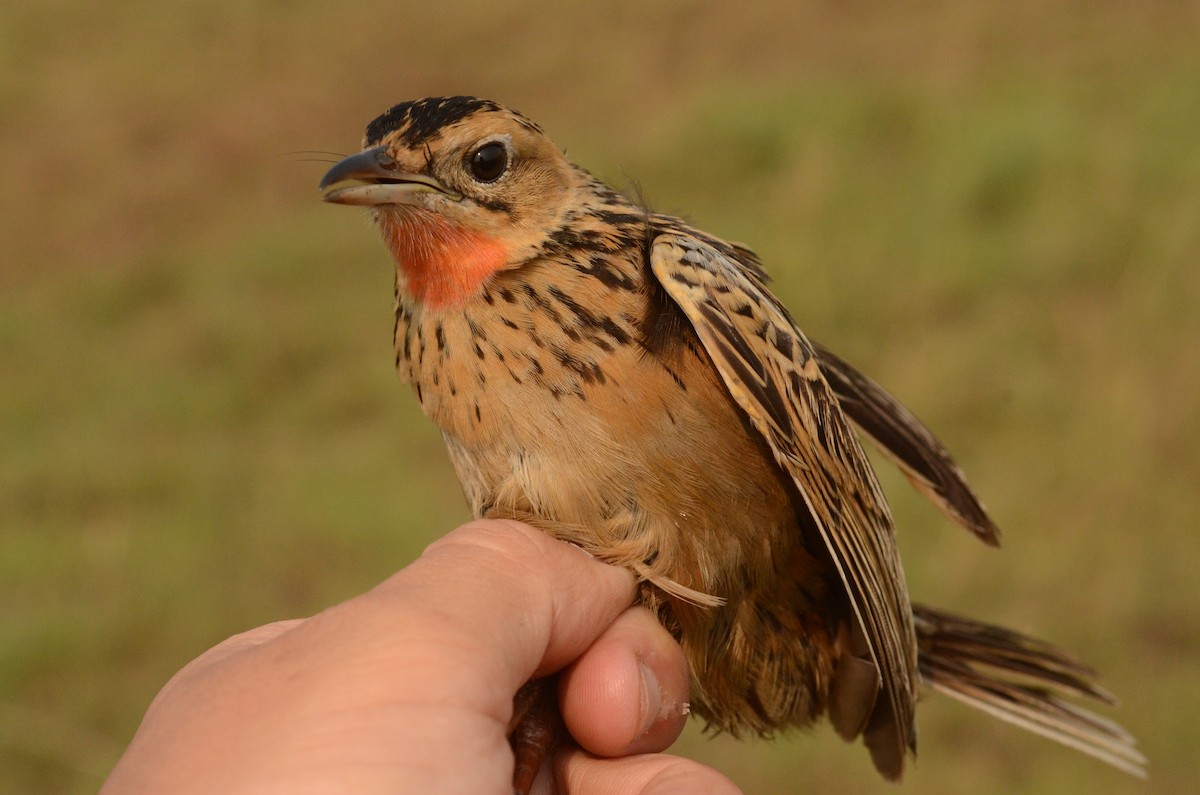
point(630, 384)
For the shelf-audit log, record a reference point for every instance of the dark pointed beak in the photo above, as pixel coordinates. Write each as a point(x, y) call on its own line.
point(374, 178)
point(368, 165)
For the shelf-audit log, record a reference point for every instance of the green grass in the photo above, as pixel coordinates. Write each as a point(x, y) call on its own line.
point(991, 209)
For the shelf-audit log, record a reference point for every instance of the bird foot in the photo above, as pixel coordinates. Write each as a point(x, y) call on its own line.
point(534, 730)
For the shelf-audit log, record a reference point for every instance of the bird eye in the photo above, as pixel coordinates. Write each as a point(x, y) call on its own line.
point(489, 161)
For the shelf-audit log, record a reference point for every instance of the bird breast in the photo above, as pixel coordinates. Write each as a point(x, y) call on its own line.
point(552, 408)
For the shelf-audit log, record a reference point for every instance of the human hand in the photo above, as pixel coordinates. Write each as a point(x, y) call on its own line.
point(409, 687)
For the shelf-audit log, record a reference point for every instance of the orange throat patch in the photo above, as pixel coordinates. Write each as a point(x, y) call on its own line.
point(443, 263)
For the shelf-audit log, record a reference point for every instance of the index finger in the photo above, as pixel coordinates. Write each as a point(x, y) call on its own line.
point(483, 610)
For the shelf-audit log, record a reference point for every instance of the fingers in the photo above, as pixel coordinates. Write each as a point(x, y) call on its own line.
point(483, 610)
point(230, 647)
point(649, 774)
point(568, 597)
point(628, 693)
point(411, 684)
point(245, 640)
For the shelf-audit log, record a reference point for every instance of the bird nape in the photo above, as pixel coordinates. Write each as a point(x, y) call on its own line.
point(630, 384)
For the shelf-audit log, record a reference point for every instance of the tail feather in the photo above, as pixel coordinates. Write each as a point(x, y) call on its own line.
point(1021, 680)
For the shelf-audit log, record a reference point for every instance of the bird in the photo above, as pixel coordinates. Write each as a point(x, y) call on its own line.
point(630, 384)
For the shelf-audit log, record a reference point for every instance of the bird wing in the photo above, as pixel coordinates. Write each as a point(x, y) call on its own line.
point(895, 430)
point(772, 372)
point(908, 443)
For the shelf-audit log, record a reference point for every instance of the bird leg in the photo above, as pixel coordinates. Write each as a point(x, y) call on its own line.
point(534, 730)
point(536, 727)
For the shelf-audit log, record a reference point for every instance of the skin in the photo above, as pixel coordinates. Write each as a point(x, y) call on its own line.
point(409, 687)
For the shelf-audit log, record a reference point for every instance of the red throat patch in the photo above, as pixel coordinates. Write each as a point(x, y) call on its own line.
point(443, 263)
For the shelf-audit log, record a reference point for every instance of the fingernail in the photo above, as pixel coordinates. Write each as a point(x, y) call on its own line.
point(651, 699)
point(581, 549)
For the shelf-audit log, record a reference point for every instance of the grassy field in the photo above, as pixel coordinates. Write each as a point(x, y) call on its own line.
point(993, 208)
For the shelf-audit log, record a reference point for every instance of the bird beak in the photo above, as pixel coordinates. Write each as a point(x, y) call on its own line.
point(375, 178)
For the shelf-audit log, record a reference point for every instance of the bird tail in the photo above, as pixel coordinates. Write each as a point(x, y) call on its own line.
point(1021, 680)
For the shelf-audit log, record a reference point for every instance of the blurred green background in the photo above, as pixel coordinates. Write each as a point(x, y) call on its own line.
point(992, 207)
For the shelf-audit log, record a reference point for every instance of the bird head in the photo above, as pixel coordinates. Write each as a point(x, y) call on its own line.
point(461, 188)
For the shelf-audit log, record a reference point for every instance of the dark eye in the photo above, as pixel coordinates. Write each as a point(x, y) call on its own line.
point(489, 161)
